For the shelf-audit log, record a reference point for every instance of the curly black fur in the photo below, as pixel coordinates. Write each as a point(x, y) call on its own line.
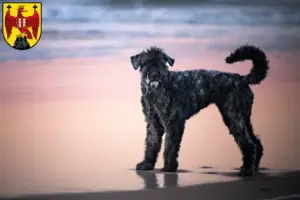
point(258, 57)
point(169, 98)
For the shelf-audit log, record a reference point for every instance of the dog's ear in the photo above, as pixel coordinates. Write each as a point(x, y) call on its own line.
point(135, 61)
point(169, 60)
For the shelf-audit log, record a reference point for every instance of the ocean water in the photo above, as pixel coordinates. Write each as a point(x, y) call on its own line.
point(92, 28)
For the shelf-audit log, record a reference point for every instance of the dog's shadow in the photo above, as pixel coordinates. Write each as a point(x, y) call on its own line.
point(261, 174)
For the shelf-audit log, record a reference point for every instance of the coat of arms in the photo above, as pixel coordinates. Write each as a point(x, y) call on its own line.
point(22, 24)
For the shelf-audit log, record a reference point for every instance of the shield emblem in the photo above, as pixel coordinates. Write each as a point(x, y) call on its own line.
point(22, 24)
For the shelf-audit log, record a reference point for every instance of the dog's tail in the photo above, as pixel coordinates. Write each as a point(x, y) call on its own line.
point(260, 63)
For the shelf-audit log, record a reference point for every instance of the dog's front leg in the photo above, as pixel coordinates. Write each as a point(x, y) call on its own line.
point(153, 141)
point(173, 138)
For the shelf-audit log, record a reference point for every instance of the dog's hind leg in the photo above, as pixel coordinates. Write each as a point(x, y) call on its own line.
point(238, 126)
point(256, 140)
point(246, 105)
point(247, 147)
point(174, 132)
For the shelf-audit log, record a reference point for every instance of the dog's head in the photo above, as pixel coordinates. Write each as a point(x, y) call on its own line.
point(152, 63)
point(153, 57)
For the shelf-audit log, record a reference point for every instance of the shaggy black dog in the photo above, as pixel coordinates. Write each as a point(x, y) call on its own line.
point(169, 98)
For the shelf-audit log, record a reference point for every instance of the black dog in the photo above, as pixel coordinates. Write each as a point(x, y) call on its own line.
point(169, 98)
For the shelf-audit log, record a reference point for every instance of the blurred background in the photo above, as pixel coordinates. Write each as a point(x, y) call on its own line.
point(70, 114)
point(107, 26)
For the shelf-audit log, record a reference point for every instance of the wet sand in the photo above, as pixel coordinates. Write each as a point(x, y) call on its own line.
point(264, 186)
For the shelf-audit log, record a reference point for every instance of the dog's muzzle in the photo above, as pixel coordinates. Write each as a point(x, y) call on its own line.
point(154, 84)
point(151, 84)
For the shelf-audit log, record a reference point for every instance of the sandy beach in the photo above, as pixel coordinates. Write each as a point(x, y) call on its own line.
point(264, 186)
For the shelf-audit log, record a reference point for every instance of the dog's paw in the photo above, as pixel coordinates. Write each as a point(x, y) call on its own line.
point(246, 172)
point(144, 165)
point(169, 169)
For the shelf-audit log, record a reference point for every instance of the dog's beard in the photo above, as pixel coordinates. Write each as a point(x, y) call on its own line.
point(151, 85)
